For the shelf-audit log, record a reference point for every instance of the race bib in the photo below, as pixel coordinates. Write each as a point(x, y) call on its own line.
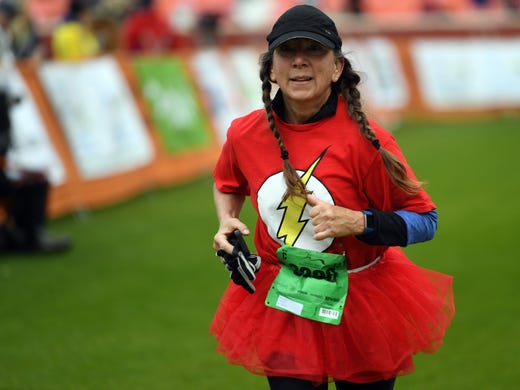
point(310, 284)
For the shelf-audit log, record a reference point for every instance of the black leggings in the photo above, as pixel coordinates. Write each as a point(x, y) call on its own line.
point(282, 383)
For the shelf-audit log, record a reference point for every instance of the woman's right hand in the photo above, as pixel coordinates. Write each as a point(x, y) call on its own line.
point(227, 226)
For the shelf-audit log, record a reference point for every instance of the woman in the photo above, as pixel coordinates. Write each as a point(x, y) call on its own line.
point(343, 199)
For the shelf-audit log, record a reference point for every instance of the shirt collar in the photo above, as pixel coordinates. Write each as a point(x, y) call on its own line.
point(327, 110)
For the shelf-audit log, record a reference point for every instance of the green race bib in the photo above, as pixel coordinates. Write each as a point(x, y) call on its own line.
point(310, 284)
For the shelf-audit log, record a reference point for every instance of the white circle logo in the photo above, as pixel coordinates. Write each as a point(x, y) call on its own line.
point(288, 221)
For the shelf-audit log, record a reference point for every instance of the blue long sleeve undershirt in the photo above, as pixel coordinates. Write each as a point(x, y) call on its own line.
point(420, 227)
point(400, 228)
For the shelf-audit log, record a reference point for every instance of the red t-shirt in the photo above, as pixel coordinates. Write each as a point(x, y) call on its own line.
point(334, 159)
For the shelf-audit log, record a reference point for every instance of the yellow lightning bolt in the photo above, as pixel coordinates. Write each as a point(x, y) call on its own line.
point(292, 225)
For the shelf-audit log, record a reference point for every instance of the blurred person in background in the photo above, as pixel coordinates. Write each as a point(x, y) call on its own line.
point(74, 38)
point(145, 31)
point(45, 16)
point(353, 6)
point(512, 5)
point(109, 15)
point(27, 44)
point(208, 25)
point(202, 20)
point(23, 199)
point(336, 297)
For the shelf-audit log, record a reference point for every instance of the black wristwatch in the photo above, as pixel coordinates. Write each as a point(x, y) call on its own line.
point(369, 222)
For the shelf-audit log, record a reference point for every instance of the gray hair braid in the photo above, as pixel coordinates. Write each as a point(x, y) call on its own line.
point(293, 181)
point(347, 87)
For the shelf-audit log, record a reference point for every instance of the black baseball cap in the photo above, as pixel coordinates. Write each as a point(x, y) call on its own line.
point(304, 21)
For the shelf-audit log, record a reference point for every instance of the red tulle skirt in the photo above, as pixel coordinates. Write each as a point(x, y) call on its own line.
point(393, 310)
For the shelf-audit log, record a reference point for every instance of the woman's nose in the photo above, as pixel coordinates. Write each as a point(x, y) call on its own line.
point(299, 58)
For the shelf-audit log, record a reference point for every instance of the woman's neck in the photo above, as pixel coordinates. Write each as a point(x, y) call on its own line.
point(298, 112)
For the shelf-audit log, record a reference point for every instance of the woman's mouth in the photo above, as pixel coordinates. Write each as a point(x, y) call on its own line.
point(301, 78)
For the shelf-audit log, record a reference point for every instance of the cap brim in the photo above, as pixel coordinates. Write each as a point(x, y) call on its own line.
point(301, 34)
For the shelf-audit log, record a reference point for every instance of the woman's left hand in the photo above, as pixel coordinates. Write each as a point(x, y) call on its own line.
point(334, 221)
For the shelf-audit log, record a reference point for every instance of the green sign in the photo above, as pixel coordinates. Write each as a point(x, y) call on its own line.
point(171, 101)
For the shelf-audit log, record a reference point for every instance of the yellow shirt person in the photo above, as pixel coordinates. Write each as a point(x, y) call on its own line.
point(73, 39)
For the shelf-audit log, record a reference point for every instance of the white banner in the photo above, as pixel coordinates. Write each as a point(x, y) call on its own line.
point(468, 73)
point(246, 68)
point(219, 85)
point(99, 116)
point(377, 61)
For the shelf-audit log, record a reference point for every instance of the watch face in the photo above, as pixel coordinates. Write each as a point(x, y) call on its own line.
point(369, 222)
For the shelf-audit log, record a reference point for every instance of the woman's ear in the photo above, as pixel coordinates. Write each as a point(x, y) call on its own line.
point(271, 76)
point(339, 64)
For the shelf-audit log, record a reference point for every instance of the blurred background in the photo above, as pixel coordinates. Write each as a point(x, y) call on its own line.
point(113, 114)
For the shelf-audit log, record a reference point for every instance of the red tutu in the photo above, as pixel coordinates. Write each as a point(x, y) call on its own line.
point(394, 309)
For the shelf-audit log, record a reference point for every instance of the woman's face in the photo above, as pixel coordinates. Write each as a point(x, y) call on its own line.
point(304, 70)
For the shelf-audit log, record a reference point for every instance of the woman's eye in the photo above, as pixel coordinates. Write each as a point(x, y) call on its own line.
point(316, 48)
point(311, 48)
point(286, 48)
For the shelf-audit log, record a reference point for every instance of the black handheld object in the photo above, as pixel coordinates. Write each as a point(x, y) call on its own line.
point(241, 264)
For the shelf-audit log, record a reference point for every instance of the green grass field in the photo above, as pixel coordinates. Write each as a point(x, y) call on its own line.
point(129, 307)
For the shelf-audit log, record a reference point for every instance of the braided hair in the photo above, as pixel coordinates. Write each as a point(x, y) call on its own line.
point(346, 86)
point(293, 181)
